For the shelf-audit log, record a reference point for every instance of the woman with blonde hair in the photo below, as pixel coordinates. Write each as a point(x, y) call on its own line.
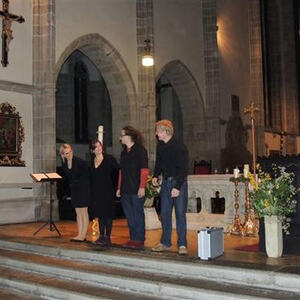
point(76, 170)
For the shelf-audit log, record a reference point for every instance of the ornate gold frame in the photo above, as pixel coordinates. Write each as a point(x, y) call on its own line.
point(11, 136)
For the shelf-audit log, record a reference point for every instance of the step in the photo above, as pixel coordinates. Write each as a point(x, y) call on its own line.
point(137, 282)
point(38, 286)
point(190, 268)
point(13, 294)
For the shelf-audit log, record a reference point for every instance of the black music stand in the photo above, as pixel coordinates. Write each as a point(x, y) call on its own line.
point(47, 177)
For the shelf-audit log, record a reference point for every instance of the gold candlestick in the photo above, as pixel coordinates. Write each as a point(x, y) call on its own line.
point(236, 226)
point(249, 226)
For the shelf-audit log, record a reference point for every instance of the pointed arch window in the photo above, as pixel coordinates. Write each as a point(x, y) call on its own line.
point(81, 79)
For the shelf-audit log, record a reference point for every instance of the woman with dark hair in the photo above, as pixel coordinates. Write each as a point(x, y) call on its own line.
point(77, 173)
point(133, 176)
point(104, 177)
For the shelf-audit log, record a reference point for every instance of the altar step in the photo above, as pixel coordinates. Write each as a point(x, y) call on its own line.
point(60, 273)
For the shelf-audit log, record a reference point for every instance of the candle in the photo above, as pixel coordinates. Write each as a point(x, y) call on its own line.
point(246, 171)
point(100, 133)
point(236, 172)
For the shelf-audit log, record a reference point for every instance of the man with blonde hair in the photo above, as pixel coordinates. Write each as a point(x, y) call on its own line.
point(172, 164)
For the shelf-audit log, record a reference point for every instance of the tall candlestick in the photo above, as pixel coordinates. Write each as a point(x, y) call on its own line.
point(100, 133)
point(236, 226)
point(252, 109)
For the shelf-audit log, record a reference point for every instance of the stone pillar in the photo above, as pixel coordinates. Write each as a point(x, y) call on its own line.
point(256, 72)
point(146, 77)
point(44, 137)
point(212, 79)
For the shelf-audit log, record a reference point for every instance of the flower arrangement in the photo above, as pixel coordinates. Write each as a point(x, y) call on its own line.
point(274, 196)
point(151, 192)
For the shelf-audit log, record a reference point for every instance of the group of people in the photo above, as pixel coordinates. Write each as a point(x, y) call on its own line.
point(96, 187)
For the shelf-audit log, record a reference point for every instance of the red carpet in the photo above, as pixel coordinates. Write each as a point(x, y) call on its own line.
point(250, 248)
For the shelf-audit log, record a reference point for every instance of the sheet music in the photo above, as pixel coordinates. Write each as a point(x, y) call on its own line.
point(45, 176)
point(53, 175)
point(38, 176)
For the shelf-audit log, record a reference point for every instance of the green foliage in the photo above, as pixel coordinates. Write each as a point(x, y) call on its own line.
point(274, 196)
point(151, 191)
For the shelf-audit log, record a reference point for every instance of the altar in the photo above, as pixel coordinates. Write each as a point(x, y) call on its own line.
point(201, 189)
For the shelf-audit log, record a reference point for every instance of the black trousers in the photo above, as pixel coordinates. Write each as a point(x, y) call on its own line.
point(105, 225)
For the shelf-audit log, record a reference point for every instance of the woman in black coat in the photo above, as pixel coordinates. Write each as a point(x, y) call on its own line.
point(78, 175)
point(104, 176)
point(131, 185)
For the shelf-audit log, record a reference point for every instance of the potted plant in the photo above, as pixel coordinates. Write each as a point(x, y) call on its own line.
point(151, 217)
point(273, 198)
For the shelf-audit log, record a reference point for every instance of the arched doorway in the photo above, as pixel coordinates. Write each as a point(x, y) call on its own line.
point(118, 81)
point(177, 86)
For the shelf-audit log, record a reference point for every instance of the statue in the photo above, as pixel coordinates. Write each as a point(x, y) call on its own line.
point(235, 153)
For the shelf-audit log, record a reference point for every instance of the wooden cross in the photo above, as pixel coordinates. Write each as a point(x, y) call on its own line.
point(7, 19)
point(252, 109)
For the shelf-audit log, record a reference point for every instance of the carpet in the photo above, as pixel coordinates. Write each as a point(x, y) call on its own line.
point(249, 248)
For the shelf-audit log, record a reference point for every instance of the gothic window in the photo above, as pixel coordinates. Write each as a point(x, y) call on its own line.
point(81, 107)
point(168, 106)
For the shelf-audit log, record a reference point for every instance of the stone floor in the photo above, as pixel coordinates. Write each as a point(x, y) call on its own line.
point(232, 257)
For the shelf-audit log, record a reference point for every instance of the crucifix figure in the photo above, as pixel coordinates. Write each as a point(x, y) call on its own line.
point(7, 19)
point(252, 109)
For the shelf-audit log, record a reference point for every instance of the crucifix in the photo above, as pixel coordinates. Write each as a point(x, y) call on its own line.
point(252, 109)
point(7, 19)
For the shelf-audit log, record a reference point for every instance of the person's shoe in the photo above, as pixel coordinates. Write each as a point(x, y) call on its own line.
point(138, 245)
point(161, 248)
point(100, 241)
point(107, 241)
point(129, 244)
point(182, 250)
point(77, 241)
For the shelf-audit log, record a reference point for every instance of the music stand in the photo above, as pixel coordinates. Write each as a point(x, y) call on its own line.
point(51, 178)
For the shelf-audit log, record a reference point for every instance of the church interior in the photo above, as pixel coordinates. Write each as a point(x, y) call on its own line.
point(225, 72)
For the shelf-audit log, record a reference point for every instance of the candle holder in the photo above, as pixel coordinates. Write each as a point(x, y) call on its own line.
point(249, 226)
point(236, 226)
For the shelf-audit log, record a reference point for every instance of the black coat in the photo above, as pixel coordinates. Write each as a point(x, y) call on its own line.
point(131, 164)
point(78, 178)
point(103, 187)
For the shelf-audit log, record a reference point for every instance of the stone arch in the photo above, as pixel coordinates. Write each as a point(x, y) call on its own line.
point(116, 75)
point(192, 106)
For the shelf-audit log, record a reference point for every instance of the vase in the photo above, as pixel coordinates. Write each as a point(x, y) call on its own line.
point(273, 236)
point(151, 218)
point(149, 202)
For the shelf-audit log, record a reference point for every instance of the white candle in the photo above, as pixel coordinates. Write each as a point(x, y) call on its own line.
point(246, 171)
point(236, 173)
point(100, 133)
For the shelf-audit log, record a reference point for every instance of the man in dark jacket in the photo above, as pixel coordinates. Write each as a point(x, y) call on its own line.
point(172, 164)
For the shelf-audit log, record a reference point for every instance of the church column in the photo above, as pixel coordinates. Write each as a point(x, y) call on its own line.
point(44, 139)
point(256, 72)
point(212, 79)
point(146, 77)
